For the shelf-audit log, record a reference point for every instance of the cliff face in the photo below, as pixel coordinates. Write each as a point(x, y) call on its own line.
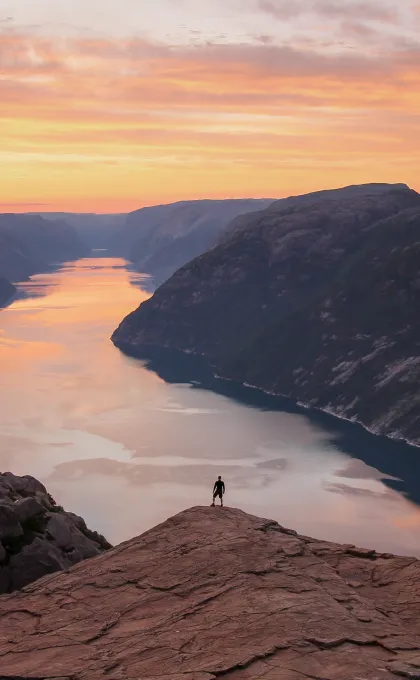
point(315, 298)
point(217, 593)
point(30, 244)
point(37, 537)
point(162, 238)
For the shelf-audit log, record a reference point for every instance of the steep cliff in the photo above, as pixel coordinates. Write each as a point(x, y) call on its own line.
point(29, 244)
point(217, 593)
point(315, 298)
point(162, 238)
point(37, 536)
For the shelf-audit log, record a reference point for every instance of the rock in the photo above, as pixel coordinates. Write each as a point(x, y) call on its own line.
point(65, 534)
point(28, 508)
point(37, 536)
point(10, 526)
point(25, 486)
point(34, 561)
point(339, 269)
point(217, 593)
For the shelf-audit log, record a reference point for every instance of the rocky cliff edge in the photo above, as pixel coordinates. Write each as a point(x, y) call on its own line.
point(218, 593)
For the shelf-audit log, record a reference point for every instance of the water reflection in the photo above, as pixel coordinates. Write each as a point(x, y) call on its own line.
point(127, 442)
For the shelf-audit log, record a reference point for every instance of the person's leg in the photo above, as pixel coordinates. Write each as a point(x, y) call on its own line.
point(214, 498)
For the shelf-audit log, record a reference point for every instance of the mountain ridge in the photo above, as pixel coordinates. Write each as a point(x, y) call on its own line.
point(282, 276)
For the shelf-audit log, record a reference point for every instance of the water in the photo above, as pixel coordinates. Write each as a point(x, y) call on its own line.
point(127, 443)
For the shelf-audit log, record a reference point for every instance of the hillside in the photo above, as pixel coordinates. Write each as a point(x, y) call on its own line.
point(218, 593)
point(30, 244)
point(315, 298)
point(160, 239)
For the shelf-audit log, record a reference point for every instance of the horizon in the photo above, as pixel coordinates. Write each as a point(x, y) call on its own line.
point(23, 211)
point(130, 106)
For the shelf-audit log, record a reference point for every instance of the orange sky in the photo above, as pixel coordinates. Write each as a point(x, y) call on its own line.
point(110, 121)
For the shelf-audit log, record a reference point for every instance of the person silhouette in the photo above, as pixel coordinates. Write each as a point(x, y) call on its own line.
point(218, 491)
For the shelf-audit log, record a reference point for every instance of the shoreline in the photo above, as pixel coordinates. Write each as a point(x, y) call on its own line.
point(135, 351)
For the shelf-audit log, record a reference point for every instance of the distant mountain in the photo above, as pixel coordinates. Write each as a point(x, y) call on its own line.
point(95, 230)
point(7, 290)
point(162, 238)
point(316, 298)
point(30, 244)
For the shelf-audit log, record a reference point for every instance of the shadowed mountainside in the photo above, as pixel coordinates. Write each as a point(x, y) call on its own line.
point(30, 244)
point(162, 238)
point(315, 298)
point(218, 593)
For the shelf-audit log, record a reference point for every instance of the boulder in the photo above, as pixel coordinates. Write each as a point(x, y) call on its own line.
point(28, 508)
point(64, 534)
point(34, 561)
point(10, 526)
point(37, 536)
point(25, 486)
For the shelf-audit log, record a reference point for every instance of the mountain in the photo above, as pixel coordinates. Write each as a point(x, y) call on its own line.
point(37, 537)
point(162, 238)
point(315, 298)
point(96, 231)
point(29, 244)
point(7, 290)
point(217, 593)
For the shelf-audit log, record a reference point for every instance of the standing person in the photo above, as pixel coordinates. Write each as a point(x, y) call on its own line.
point(218, 491)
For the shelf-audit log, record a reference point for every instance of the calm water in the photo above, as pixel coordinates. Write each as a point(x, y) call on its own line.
point(127, 443)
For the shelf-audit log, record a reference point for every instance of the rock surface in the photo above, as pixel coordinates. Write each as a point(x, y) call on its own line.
point(315, 298)
point(38, 537)
point(162, 238)
point(218, 593)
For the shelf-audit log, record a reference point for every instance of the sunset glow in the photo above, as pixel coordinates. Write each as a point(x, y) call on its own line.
point(203, 99)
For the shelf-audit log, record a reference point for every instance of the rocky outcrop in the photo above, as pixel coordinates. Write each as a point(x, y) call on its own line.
point(315, 298)
point(37, 537)
point(217, 593)
point(30, 244)
point(7, 290)
point(162, 238)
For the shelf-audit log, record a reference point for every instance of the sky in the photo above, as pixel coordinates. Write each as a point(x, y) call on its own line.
point(109, 105)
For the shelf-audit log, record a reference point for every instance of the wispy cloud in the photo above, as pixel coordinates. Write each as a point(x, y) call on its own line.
point(94, 115)
point(367, 10)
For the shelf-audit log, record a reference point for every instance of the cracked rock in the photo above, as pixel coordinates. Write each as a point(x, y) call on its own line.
point(217, 593)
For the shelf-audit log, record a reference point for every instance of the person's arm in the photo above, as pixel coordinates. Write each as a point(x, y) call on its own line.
point(224, 488)
point(215, 487)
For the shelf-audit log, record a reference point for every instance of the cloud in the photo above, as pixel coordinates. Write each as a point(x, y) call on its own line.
point(141, 109)
point(23, 204)
point(330, 9)
point(346, 490)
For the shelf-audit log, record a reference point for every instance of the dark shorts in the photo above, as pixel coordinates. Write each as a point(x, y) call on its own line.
point(218, 493)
